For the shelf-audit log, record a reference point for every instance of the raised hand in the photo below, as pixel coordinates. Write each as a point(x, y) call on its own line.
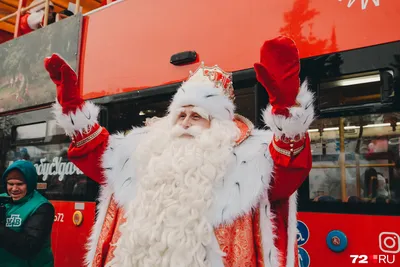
point(66, 80)
point(278, 71)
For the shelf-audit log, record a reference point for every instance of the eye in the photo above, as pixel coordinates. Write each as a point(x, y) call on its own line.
point(196, 116)
point(182, 116)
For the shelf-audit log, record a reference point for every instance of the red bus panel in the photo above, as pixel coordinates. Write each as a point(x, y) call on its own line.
point(128, 46)
point(67, 238)
point(372, 240)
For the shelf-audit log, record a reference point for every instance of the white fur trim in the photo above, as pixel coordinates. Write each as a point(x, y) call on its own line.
point(214, 253)
point(205, 96)
point(118, 166)
point(78, 121)
point(292, 230)
point(267, 228)
point(245, 181)
point(300, 119)
point(35, 19)
point(104, 198)
point(114, 161)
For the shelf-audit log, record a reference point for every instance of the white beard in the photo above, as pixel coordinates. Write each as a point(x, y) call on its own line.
point(167, 222)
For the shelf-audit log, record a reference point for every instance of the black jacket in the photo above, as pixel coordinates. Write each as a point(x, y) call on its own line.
point(28, 243)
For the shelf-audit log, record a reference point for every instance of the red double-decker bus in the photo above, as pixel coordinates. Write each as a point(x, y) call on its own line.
point(350, 50)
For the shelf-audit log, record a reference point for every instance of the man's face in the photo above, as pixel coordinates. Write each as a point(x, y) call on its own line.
point(15, 187)
point(188, 118)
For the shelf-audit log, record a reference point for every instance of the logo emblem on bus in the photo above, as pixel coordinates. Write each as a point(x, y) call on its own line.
point(364, 3)
point(336, 241)
point(77, 218)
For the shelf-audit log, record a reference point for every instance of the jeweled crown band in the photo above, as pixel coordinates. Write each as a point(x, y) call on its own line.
point(215, 74)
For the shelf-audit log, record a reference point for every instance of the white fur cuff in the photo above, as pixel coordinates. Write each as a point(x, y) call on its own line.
point(82, 119)
point(300, 116)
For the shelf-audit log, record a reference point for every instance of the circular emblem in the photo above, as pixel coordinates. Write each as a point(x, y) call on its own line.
point(304, 258)
point(336, 241)
point(303, 234)
point(77, 218)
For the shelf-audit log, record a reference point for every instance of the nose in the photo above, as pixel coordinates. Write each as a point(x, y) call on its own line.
point(186, 123)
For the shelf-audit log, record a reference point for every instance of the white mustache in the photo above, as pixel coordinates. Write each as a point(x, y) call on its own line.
point(178, 131)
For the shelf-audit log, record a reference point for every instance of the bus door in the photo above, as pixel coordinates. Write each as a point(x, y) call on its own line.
point(34, 136)
point(349, 206)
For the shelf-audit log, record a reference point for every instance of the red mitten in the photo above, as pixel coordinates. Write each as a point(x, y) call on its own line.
point(278, 71)
point(66, 80)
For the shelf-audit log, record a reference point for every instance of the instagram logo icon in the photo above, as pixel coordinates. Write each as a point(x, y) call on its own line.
point(389, 242)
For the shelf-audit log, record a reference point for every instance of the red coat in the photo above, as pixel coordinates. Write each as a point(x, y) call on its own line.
point(30, 22)
point(24, 27)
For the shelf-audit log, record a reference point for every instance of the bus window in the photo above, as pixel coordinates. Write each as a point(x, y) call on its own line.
point(32, 131)
point(356, 158)
point(349, 90)
point(124, 115)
